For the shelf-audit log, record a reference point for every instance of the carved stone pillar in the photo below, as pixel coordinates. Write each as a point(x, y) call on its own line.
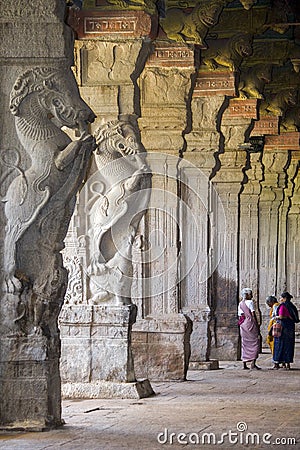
point(249, 226)
point(291, 172)
point(111, 50)
point(202, 143)
point(228, 184)
point(293, 231)
point(275, 163)
point(42, 171)
point(163, 334)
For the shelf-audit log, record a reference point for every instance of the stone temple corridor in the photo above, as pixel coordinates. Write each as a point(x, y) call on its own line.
point(149, 172)
point(258, 409)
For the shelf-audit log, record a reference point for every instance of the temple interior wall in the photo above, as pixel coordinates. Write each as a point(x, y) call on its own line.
point(222, 211)
point(225, 211)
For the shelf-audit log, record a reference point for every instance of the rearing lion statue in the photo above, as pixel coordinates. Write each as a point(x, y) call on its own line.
point(40, 200)
point(116, 209)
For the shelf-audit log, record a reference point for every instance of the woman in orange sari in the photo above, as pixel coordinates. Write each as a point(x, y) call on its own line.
point(272, 302)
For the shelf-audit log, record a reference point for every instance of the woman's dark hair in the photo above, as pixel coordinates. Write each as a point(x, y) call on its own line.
point(286, 295)
point(271, 300)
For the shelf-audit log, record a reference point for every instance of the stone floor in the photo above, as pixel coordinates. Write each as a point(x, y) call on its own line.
point(225, 408)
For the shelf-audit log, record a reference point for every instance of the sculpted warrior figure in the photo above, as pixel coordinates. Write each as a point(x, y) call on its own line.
point(40, 200)
point(120, 201)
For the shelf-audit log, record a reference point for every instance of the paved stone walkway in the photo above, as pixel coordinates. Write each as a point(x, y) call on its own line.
point(224, 408)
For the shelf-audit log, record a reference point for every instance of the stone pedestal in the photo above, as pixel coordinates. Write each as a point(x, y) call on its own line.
point(96, 359)
point(161, 347)
point(30, 383)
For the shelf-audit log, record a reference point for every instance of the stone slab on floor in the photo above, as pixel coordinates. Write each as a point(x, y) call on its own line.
point(228, 401)
point(107, 389)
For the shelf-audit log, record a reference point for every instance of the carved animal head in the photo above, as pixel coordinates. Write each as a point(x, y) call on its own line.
point(209, 11)
point(120, 136)
point(241, 44)
point(57, 95)
point(279, 103)
point(291, 120)
point(284, 99)
point(263, 73)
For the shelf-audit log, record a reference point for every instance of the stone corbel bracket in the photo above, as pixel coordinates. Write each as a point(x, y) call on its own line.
point(119, 25)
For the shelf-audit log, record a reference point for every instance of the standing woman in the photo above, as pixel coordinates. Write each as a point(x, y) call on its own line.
point(249, 329)
point(272, 302)
point(284, 345)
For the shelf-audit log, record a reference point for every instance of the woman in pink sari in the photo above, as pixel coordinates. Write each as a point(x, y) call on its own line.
point(249, 329)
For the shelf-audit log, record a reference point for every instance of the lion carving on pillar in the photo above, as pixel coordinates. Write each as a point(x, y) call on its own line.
point(40, 200)
point(121, 198)
point(278, 103)
point(253, 80)
point(192, 27)
point(228, 53)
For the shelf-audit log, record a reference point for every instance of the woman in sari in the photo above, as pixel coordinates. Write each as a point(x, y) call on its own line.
point(284, 345)
point(249, 329)
point(272, 302)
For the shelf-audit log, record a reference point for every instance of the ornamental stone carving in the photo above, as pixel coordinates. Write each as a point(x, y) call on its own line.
point(40, 199)
point(291, 120)
point(192, 27)
point(121, 195)
point(228, 52)
point(278, 103)
point(253, 80)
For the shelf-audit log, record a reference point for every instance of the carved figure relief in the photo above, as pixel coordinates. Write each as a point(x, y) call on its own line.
point(120, 201)
point(160, 87)
point(253, 80)
point(192, 27)
point(291, 120)
point(40, 200)
point(74, 294)
point(228, 52)
point(277, 104)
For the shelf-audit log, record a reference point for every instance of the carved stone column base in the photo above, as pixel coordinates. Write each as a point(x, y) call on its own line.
point(161, 347)
point(108, 389)
point(96, 343)
point(29, 383)
point(204, 365)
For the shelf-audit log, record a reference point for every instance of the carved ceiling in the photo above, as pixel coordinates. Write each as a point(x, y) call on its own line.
point(258, 40)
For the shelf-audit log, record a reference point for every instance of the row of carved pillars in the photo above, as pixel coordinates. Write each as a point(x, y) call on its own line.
point(245, 203)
